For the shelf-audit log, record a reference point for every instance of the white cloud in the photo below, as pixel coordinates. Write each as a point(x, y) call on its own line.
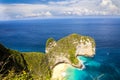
point(2, 14)
point(62, 8)
point(108, 4)
point(15, 11)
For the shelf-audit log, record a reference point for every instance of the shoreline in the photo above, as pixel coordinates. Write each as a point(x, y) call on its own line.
point(60, 71)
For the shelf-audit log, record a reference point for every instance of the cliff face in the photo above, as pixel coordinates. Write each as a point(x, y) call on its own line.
point(41, 65)
point(68, 48)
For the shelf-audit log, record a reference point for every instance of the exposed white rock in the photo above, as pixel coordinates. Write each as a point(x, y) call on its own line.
point(51, 45)
point(85, 48)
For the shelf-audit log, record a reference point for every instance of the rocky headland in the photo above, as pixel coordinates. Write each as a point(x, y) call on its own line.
point(49, 65)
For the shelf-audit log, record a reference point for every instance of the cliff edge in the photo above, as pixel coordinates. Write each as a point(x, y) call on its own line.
point(67, 50)
point(37, 65)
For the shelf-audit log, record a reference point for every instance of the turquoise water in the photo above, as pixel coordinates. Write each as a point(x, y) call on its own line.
point(95, 69)
point(83, 74)
point(31, 35)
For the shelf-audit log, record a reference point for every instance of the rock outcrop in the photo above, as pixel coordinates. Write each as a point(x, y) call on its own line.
point(68, 48)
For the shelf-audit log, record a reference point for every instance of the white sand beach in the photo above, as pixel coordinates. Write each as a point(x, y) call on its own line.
point(59, 71)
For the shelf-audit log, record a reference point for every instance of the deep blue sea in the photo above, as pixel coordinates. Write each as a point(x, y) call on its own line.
point(31, 35)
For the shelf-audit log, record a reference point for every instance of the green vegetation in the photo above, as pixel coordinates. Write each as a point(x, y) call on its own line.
point(11, 61)
point(16, 65)
point(38, 64)
point(23, 66)
point(50, 40)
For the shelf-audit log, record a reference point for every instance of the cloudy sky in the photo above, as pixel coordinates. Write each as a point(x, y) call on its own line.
point(20, 9)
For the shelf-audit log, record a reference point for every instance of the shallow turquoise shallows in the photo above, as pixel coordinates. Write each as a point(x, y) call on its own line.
point(95, 69)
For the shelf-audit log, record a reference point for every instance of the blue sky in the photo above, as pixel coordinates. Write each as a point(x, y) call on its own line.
point(20, 9)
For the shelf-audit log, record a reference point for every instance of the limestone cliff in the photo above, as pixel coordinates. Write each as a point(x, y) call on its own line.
point(68, 48)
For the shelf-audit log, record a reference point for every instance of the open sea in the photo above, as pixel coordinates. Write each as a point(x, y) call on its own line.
point(31, 35)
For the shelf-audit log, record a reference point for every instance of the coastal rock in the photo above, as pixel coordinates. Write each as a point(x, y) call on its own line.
point(84, 48)
point(59, 56)
point(50, 44)
point(67, 49)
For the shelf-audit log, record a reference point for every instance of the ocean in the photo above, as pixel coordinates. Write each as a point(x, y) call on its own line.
point(31, 35)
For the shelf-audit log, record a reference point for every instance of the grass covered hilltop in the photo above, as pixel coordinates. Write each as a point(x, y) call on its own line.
point(16, 65)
